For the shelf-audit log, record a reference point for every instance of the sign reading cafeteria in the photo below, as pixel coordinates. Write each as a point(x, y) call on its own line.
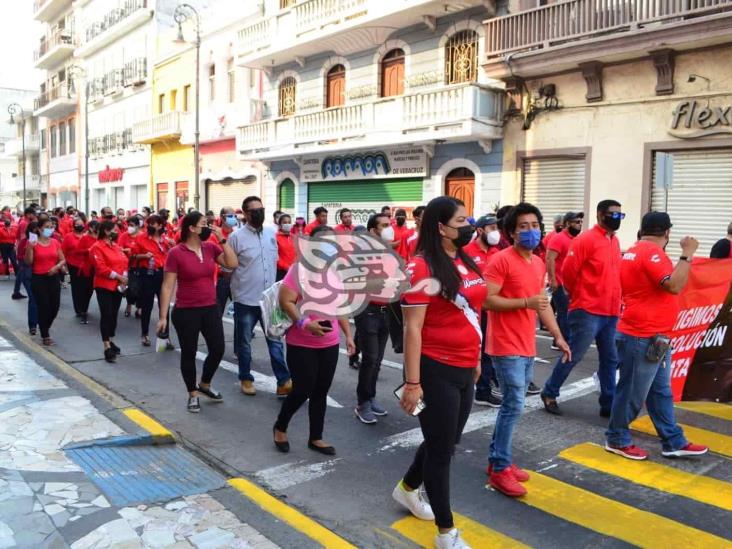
point(379, 164)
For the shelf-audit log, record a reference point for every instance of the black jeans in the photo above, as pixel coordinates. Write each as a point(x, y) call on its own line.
point(47, 291)
point(396, 327)
point(312, 372)
point(82, 288)
point(109, 303)
point(189, 322)
point(448, 397)
point(8, 255)
point(150, 286)
point(373, 333)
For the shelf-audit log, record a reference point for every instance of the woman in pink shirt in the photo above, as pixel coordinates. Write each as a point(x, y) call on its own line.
point(312, 356)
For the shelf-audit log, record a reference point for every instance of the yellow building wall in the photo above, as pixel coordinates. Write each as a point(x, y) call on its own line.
point(618, 128)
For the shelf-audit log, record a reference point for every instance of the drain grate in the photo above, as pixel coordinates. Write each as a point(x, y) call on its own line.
point(131, 475)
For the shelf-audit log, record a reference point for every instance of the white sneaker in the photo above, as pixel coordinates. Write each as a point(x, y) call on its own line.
point(451, 540)
point(414, 502)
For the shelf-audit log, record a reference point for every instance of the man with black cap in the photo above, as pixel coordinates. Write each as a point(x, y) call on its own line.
point(651, 285)
point(557, 251)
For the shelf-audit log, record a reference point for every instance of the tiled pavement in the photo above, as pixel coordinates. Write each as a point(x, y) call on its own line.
point(46, 500)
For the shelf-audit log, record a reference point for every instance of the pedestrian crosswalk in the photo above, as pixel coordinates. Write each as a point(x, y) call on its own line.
point(714, 409)
point(717, 442)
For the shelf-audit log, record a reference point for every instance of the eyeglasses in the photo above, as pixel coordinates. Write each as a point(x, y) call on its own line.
point(615, 215)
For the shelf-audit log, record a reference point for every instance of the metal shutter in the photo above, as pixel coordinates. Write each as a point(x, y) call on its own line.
point(695, 188)
point(287, 195)
point(230, 193)
point(555, 185)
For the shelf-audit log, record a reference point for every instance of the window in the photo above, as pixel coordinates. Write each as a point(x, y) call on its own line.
point(231, 77)
point(186, 97)
point(173, 99)
point(287, 96)
point(392, 73)
point(161, 103)
point(54, 138)
point(72, 136)
point(461, 57)
point(43, 139)
point(253, 78)
point(212, 83)
point(62, 139)
point(287, 4)
point(336, 86)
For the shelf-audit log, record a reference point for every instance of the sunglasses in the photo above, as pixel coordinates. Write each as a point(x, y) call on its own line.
point(615, 215)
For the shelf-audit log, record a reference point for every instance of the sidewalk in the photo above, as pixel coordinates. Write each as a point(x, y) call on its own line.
point(54, 496)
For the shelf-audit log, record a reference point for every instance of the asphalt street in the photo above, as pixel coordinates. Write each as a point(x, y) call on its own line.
point(575, 500)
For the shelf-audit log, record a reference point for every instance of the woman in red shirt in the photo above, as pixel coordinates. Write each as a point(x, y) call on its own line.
point(85, 273)
point(442, 344)
point(285, 246)
point(110, 283)
point(46, 258)
point(129, 232)
point(192, 265)
point(26, 275)
point(74, 260)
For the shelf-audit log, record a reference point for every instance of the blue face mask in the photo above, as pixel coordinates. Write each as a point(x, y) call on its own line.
point(48, 232)
point(530, 238)
point(231, 221)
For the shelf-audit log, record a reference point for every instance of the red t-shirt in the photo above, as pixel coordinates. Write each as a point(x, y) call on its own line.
point(311, 226)
point(560, 244)
point(45, 257)
point(196, 287)
point(343, 229)
point(480, 256)
point(83, 248)
point(9, 235)
point(146, 244)
point(649, 308)
point(69, 247)
point(127, 242)
point(402, 234)
point(513, 332)
point(66, 225)
point(108, 259)
point(447, 335)
point(549, 237)
point(591, 273)
point(285, 251)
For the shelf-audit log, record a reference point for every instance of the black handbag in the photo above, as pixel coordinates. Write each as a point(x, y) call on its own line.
point(134, 288)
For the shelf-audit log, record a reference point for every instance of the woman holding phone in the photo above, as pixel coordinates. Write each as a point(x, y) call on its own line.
point(442, 348)
point(312, 356)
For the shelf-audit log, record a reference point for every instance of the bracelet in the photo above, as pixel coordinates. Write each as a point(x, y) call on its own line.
point(411, 386)
point(412, 383)
point(301, 323)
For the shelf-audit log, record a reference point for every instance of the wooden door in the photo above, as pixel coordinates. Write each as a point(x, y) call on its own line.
point(460, 184)
point(392, 74)
point(336, 92)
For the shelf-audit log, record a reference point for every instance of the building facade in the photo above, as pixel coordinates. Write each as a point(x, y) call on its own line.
point(369, 104)
point(19, 138)
point(626, 103)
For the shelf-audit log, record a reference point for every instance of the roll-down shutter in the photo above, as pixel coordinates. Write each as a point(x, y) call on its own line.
point(555, 185)
point(229, 193)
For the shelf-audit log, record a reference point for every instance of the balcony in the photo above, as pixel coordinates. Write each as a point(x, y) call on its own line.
point(162, 127)
point(113, 26)
point(14, 147)
point(32, 183)
point(55, 49)
point(56, 102)
point(48, 10)
point(463, 112)
point(291, 30)
point(559, 36)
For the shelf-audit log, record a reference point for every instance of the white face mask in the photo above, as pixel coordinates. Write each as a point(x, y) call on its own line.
point(131, 229)
point(388, 234)
point(286, 228)
point(493, 237)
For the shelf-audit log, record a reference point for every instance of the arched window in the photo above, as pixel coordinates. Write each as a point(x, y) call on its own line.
point(287, 195)
point(287, 96)
point(335, 87)
point(460, 184)
point(461, 57)
point(392, 73)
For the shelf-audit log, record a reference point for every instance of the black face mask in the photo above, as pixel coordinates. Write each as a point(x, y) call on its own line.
point(256, 217)
point(152, 231)
point(610, 223)
point(558, 229)
point(78, 228)
point(465, 235)
point(205, 234)
point(574, 231)
point(400, 221)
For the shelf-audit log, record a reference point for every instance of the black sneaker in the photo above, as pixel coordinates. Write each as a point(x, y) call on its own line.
point(194, 406)
point(354, 362)
point(551, 406)
point(84, 319)
point(211, 393)
point(116, 349)
point(109, 355)
point(19, 296)
point(488, 399)
point(533, 389)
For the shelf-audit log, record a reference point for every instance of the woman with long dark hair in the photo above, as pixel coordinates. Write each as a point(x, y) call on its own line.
point(46, 258)
point(26, 276)
point(110, 283)
point(192, 265)
point(442, 345)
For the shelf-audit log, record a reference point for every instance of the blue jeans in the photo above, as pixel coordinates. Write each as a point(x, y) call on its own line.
point(643, 381)
point(561, 306)
point(514, 374)
point(26, 273)
point(245, 318)
point(584, 328)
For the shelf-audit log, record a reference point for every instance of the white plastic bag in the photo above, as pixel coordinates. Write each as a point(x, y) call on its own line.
point(275, 320)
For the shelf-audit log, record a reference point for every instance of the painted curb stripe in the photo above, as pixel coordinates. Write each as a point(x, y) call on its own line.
point(653, 475)
point(291, 516)
point(718, 443)
point(714, 409)
point(423, 533)
point(146, 422)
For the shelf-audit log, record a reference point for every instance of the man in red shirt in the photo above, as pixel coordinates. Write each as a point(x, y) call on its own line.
point(650, 286)
point(591, 277)
point(414, 237)
point(8, 237)
point(557, 251)
point(346, 224)
point(558, 227)
point(401, 233)
point(285, 245)
point(321, 218)
point(515, 278)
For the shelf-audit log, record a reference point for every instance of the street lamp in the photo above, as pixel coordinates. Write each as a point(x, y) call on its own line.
point(74, 72)
point(14, 109)
point(182, 13)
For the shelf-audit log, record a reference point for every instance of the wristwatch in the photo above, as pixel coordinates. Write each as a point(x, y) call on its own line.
point(686, 258)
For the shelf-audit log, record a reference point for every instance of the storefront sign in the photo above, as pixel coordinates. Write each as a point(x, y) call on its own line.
point(111, 175)
point(361, 211)
point(692, 119)
point(406, 161)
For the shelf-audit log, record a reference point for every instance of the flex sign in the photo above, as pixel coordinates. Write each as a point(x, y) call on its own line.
point(379, 164)
point(692, 119)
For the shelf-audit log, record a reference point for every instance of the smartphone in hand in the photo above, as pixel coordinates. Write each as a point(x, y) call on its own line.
point(327, 325)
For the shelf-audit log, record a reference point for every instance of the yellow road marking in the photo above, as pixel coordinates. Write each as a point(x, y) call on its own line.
point(613, 518)
point(714, 409)
point(718, 443)
point(653, 475)
point(291, 516)
point(423, 533)
point(147, 423)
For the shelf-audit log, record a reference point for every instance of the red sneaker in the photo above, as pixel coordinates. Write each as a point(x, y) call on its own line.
point(507, 484)
point(630, 452)
point(518, 473)
point(688, 450)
